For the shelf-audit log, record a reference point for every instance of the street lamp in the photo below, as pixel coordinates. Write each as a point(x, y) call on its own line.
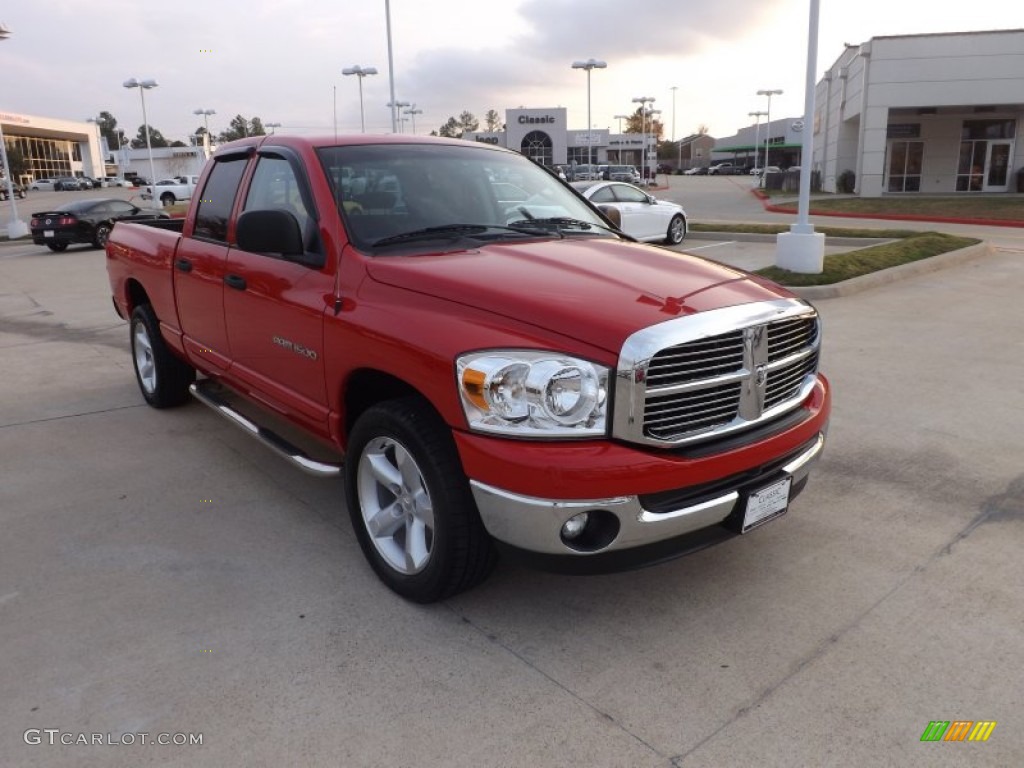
point(620, 118)
point(396, 107)
point(643, 101)
point(271, 126)
point(679, 162)
point(589, 65)
point(143, 86)
point(360, 72)
point(206, 124)
point(413, 112)
point(654, 166)
point(768, 122)
point(757, 137)
point(16, 227)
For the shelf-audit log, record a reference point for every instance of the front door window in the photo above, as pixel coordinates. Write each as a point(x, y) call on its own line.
point(986, 150)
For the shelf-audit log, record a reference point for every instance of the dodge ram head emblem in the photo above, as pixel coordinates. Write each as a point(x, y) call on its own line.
point(761, 375)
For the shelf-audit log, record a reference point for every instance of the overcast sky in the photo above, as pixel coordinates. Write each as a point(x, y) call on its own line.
point(281, 60)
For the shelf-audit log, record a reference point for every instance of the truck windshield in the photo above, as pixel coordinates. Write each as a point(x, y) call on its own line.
point(411, 193)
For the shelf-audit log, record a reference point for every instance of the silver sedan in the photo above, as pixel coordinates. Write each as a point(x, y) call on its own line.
point(643, 216)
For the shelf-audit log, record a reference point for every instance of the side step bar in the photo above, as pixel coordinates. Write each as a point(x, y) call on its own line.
point(269, 438)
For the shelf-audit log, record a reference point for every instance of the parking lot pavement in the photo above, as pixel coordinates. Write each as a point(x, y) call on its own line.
point(162, 573)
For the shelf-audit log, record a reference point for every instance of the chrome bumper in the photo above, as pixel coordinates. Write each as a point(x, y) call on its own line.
point(535, 524)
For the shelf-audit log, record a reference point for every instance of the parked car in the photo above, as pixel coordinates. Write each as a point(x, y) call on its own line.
point(114, 181)
point(697, 170)
point(43, 185)
point(642, 216)
point(89, 183)
point(625, 173)
point(70, 184)
point(85, 221)
point(170, 191)
point(19, 190)
point(723, 169)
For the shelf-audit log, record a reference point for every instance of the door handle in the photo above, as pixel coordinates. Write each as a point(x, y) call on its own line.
point(183, 264)
point(235, 281)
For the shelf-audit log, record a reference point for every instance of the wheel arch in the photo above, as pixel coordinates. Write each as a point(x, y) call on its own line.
point(365, 388)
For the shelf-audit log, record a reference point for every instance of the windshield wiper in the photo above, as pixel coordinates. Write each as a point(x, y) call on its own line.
point(454, 231)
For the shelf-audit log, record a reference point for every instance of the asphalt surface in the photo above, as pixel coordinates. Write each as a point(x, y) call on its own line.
point(160, 572)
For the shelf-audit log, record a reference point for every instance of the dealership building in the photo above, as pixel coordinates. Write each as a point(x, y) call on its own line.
point(53, 148)
point(544, 135)
point(936, 113)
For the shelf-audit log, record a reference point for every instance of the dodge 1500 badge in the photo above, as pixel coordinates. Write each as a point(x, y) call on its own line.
point(487, 375)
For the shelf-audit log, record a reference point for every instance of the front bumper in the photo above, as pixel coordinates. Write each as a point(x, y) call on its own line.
point(649, 527)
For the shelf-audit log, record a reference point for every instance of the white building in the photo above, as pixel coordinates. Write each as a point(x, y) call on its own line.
point(54, 147)
point(936, 113)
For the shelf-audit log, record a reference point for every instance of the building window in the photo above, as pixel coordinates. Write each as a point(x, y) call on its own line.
point(536, 145)
point(905, 166)
point(986, 147)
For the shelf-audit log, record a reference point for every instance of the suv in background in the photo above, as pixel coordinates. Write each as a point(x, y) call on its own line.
point(723, 169)
point(625, 173)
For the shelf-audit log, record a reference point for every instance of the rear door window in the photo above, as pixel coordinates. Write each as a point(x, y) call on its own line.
point(218, 198)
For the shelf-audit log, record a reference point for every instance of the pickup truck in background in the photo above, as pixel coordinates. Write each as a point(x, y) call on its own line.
point(170, 191)
point(487, 375)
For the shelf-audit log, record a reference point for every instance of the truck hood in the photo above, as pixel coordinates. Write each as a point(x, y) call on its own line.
point(598, 291)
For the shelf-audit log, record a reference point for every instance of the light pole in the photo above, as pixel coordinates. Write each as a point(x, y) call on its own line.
point(206, 124)
point(654, 167)
point(143, 86)
point(643, 101)
point(620, 118)
point(679, 162)
point(391, 68)
point(757, 138)
point(271, 126)
point(589, 64)
point(768, 121)
point(16, 227)
point(396, 106)
point(412, 112)
point(360, 72)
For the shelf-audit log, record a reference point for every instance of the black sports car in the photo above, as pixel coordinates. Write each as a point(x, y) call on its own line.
point(85, 221)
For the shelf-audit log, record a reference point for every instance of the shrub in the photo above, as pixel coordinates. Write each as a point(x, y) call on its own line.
point(846, 181)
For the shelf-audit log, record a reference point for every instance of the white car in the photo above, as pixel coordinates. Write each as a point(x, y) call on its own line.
point(644, 216)
point(43, 185)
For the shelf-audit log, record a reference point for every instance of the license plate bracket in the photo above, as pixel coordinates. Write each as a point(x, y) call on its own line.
point(766, 503)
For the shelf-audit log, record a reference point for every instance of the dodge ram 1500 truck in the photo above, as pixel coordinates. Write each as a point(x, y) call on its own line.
point(486, 375)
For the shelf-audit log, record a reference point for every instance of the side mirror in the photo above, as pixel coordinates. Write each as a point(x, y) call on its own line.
point(269, 231)
point(613, 214)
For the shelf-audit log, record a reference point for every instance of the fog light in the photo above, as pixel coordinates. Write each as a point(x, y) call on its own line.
point(574, 526)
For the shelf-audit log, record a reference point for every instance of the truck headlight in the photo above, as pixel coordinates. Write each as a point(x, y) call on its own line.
point(533, 394)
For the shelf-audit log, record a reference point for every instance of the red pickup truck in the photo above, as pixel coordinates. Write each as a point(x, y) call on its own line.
point(486, 358)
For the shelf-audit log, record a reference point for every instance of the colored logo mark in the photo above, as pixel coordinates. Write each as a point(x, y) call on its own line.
point(958, 730)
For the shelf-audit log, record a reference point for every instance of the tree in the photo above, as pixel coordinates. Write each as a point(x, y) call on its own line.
point(468, 122)
point(637, 123)
point(492, 121)
point(240, 127)
point(108, 129)
point(156, 139)
point(451, 129)
point(702, 130)
point(18, 163)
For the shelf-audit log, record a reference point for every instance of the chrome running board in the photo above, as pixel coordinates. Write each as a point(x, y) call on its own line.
point(269, 438)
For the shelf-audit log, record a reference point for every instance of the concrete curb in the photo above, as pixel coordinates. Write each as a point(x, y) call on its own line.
point(891, 275)
point(756, 237)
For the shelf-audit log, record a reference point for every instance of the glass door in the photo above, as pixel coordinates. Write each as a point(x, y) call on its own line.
point(904, 166)
point(997, 166)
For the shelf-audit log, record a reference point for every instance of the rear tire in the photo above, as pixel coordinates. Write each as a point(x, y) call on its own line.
point(163, 378)
point(676, 230)
point(410, 503)
point(99, 237)
point(57, 247)
point(167, 199)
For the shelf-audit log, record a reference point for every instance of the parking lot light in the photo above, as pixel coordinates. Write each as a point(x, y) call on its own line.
point(359, 72)
point(588, 65)
point(143, 86)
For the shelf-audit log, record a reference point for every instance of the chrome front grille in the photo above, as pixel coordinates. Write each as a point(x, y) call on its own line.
point(695, 378)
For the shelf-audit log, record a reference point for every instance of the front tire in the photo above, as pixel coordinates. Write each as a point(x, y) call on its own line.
point(410, 503)
point(676, 230)
point(163, 378)
point(167, 199)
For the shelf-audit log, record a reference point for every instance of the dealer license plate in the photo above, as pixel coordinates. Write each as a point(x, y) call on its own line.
point(767, 504)
point(47, 233)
